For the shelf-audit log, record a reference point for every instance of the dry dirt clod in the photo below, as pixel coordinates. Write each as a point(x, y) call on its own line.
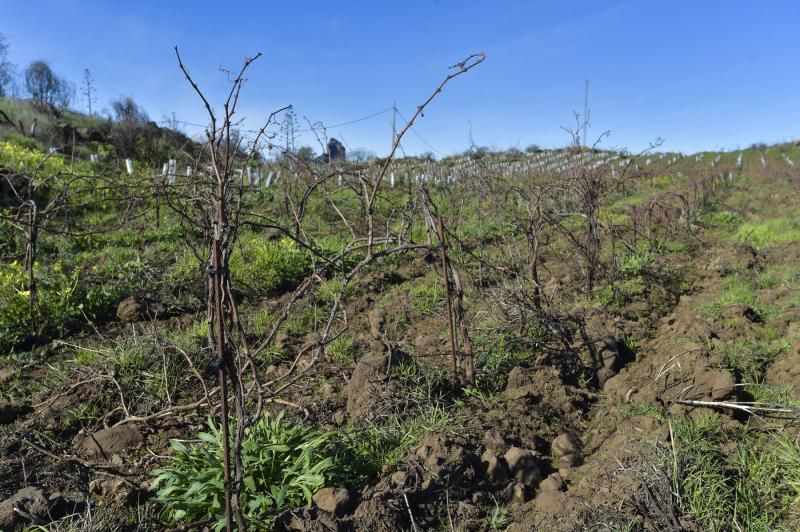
point(524, 466)
point(549, 502)
point(376, 318)
point(553, 482)
point(566, 443)
point(517, 492)
point(106, 443)
point(337, 501)
point(366, 383)
point(399, 478)
point(111, 489)
point(603, 376)
point(570, 460)
point(496, 470)
point(29, 499)
point(134, 308)
point(6, 374)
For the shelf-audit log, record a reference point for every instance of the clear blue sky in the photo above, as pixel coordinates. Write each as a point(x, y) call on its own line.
point(701, 74)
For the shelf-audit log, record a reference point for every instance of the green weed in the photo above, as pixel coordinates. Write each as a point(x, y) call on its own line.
point(734, 290)
point(285, 464)
point(750, 487)
point(379, 445)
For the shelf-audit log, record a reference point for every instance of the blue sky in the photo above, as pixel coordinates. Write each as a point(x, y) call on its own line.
point(704, 75)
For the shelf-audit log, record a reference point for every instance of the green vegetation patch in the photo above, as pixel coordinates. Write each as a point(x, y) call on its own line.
point(64, 299)
point(735, 290)
point(285, 463)
point(266, 266)
point(750, 483)
point(748, 359)
point(769, 232)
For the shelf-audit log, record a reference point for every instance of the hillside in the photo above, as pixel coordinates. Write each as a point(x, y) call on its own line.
point(567, 339)
point(80, 135)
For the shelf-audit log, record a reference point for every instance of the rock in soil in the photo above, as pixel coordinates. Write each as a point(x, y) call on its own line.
point(517, 492)
point(549, 502)
point(496, 469)
point(135, 308)
point(337, 501)
point(367, 383)
point(6, 375)
point(553, 482)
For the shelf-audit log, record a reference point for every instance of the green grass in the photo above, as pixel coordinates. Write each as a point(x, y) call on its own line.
point(495, 357)
point(748, 359)
point(425, 298)
point(379, 445)
point(727, 481)
point(779, 275)
point(769, 232)
point(734, 290)
point(260, 321)
point(648, 408)
point(327, 290)
point(342, 350)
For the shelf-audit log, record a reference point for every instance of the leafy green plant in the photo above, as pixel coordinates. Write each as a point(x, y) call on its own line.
point(633, 263)
point(284, 463)
point(721, 218)
point(63, 301)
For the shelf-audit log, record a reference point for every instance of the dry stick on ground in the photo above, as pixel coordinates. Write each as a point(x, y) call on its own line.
point(750, 408)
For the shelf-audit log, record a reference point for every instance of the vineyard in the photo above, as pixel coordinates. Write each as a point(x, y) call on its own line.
point(560, 339)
